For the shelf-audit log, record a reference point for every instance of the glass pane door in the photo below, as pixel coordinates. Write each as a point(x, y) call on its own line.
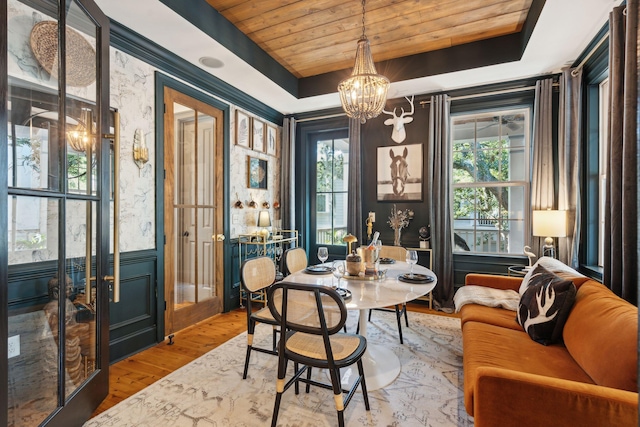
point(193, 272)
point(58, 209)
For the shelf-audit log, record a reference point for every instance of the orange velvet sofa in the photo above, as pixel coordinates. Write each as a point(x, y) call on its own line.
point(589, 380)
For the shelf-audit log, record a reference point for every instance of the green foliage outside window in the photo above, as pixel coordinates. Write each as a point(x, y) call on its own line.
point(485, 177)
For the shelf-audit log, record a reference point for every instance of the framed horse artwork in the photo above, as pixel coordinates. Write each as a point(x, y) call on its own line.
point(399, 173)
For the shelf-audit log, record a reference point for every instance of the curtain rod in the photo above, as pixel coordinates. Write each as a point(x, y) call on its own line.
point(480, 95)
point(592, 51)
point(330, 116)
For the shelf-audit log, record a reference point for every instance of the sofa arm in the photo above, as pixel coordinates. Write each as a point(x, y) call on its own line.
point(493, 281)
point(507, 398)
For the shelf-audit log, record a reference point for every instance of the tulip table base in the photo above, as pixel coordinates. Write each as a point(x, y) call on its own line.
point(381, 365)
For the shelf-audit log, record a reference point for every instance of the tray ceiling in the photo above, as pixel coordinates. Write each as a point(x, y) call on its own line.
point(312, 37)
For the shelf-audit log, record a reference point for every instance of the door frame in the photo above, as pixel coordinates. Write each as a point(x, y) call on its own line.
point(162, 81)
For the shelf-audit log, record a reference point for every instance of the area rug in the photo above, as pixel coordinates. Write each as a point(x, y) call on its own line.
point(210, 390)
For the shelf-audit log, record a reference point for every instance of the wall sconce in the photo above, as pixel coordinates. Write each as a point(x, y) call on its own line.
point(549, 224)
point(140, 150)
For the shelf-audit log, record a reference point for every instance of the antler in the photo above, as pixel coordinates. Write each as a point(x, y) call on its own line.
point(389, 112)
point(412, 107)
point(542, 317)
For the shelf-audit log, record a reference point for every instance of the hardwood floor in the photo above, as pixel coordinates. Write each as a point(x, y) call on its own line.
point(134, 373)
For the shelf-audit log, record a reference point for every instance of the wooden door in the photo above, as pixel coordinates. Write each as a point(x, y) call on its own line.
point(193, 210)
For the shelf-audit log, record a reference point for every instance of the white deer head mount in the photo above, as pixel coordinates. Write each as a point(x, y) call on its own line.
point(399, 134)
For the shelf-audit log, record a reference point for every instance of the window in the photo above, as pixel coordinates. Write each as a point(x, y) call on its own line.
point(332, 172)
point(490, 181)
point(603, 142)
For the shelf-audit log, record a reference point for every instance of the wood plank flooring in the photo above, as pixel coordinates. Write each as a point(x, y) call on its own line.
point(134, 373)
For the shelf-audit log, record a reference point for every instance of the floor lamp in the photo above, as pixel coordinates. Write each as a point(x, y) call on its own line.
point(549, 224)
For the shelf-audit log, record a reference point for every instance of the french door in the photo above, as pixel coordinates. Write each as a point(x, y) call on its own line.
point(193, 210)
point(56, 202)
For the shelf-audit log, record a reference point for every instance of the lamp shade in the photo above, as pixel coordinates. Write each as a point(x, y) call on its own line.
point(264, 219)
point(550, 223)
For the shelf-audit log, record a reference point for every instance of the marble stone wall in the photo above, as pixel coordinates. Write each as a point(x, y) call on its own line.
point(132, 93)
point(243, 220)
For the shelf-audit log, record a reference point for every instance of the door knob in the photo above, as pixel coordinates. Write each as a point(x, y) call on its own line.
point(219, 237)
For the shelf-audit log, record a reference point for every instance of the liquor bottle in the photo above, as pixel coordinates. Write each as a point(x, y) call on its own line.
point(372, 245)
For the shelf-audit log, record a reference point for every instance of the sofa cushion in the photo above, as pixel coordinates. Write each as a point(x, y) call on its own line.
point(493, 346)
point(545, 305)
point(490, 315)
point(601, 334)
point(558, 268)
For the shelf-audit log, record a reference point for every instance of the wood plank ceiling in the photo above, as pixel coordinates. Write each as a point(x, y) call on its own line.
point(311, 37)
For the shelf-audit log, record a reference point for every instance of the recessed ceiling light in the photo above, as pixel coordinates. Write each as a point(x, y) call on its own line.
point(210, 62)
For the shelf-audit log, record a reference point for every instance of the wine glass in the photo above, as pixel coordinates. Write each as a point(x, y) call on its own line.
point(323, 254)
point(411, 258)
point(338, 272)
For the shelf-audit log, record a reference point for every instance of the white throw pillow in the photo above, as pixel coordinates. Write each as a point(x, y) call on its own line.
point(551, 264)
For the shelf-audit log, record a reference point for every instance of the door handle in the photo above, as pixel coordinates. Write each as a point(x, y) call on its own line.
point(116, 208)
point(218, 237)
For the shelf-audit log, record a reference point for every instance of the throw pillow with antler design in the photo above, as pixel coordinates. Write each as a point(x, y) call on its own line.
point(545, 305)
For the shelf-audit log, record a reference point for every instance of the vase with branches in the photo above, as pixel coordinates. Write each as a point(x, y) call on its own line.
point(398, 220)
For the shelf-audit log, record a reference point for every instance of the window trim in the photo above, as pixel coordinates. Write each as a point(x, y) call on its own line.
point(524, 184)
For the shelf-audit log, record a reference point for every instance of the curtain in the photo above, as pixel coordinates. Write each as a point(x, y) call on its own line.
point(621, 216)
point(287, 174)
point(542, 188)
point(569, 156)
point(438, 190)
point(354, 191)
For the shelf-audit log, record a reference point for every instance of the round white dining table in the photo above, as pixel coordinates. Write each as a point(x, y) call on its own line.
point(381, 365)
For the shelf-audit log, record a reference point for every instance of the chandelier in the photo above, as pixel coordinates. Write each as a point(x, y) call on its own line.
point(81, 138)
point(364, 94)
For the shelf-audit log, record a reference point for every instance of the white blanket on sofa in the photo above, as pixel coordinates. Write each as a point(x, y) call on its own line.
point(483, 295)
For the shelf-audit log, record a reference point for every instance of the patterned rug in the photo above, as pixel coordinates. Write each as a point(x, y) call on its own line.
point(210, 390)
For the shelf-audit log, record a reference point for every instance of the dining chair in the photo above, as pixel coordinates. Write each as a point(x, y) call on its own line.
point(256, 275)
point(397, 253)
point(313, 317)
point(295, 259)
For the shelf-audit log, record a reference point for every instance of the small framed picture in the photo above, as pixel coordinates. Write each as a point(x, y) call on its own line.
point(272, 137)
point(258, 135)
point(257, 175)
point(242, 129)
